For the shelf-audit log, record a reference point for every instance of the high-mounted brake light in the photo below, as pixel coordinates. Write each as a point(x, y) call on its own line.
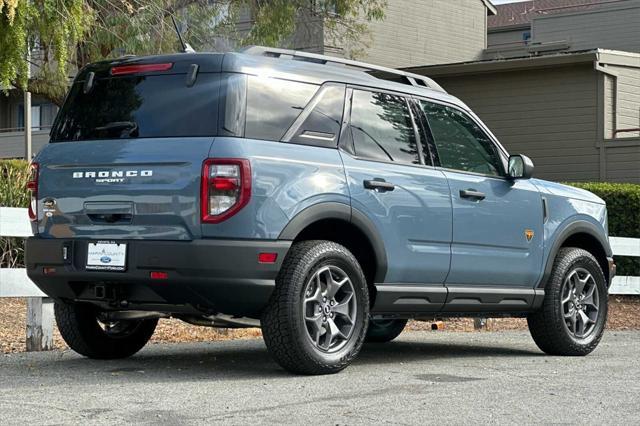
point(225, 188)
point(133, 69)
point(32, 186)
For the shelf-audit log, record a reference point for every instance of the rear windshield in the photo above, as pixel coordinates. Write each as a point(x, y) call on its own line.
point(140, 106)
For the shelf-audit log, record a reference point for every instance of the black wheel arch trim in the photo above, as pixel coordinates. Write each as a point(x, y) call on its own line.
point(344, 212)
point(577, 227)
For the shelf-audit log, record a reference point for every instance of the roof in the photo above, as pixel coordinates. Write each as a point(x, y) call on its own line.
point(521, 14)
point(289, 67)
point(491, 9)
point(602, 56)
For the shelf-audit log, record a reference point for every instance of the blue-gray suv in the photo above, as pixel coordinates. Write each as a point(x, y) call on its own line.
point(326, 201)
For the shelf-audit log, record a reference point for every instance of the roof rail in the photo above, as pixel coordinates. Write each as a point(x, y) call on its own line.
point(383, 73)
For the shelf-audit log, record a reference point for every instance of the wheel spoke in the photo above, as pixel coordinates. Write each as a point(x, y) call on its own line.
point(574, 320)
point(334, 286)
point(581, 283)
point(585, 319)
point(316, 321)
point(342, 308)
point(590, 298)
point(316, 297)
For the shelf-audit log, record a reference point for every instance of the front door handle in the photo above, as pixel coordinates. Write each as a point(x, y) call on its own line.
point(472, 194)
point(379, 185)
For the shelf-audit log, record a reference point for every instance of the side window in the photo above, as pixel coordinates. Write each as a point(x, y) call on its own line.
point(322, 125)
point(273, 105)
point(382, 128)
point(460, 143)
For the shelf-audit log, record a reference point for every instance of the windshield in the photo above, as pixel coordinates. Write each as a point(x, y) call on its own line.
point(140, 106)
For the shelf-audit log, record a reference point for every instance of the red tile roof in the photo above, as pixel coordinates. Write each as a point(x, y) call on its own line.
point(522, 13)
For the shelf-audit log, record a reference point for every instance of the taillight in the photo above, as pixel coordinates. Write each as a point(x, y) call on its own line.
point(225, 188)
point(32, 186)
point(133, 69)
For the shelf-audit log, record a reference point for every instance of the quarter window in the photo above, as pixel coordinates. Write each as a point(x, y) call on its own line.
point(382, 128)
point(460, 142)
point(322, 126)
point(273, 105)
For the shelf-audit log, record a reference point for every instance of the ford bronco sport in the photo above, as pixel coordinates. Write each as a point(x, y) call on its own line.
point(326, 201)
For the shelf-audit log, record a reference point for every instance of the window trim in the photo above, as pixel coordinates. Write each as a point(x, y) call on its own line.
point(502, 154)
point(308, 109)
point(346, 126)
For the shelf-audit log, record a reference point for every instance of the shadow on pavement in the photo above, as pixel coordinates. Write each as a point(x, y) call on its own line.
point(247, 359)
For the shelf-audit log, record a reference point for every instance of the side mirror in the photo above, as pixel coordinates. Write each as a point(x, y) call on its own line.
point(520, 167)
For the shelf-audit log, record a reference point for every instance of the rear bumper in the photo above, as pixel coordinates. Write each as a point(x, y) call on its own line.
point(212, 276)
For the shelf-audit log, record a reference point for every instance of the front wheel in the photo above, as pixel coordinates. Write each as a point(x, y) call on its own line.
point(86, 333)
point(316, 320)
point(574, 311)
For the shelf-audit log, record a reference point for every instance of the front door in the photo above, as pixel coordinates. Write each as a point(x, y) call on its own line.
point(497, 222)
point(408, 202)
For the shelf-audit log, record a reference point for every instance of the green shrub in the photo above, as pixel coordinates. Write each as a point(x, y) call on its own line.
point(14, 175)
point(623, 206)
point(13, 193)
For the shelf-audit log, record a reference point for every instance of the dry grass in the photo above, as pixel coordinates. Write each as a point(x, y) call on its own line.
point(624, 314)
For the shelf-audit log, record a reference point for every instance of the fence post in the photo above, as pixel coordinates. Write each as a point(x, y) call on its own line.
point(39, 324)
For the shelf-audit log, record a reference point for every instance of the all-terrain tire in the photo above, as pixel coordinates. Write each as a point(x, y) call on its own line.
point(283, 323)
point(79, 327)
point(383, 331)
point(549, 327)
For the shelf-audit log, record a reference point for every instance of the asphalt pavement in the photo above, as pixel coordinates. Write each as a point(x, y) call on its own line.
point(423, 377)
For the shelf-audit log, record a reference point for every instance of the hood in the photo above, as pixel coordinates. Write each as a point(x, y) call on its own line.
point(567, 191)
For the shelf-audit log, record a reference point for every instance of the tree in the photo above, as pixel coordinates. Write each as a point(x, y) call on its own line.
point(69, 34)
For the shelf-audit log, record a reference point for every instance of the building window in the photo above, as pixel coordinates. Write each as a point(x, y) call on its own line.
point(42, 116)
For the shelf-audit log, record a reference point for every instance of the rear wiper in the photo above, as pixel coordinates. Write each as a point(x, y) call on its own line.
point(130, 126)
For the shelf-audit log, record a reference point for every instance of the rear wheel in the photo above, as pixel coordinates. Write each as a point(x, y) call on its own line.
point(86, 333)
point(384, 330)
point(316, 319)
point(574, 311)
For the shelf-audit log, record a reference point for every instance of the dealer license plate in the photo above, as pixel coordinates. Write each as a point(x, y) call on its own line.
point(106, 256)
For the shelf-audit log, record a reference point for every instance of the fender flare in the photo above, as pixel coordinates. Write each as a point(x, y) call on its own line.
point(577, 227)
point(344, 212)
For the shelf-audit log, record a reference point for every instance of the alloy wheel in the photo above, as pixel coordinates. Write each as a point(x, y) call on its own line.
point(580, 303)
point(329, 308)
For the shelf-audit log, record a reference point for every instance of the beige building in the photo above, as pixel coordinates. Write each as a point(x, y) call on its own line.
point(576, 115)
point(560, 82)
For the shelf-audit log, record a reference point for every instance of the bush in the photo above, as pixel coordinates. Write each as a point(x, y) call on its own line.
point(13, 193)
point(623, 206)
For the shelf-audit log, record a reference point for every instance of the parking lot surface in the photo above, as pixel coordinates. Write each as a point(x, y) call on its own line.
point(423, 377)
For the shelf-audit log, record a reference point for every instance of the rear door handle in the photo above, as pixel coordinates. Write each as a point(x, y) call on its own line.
point(472, 194)
point(379, 185)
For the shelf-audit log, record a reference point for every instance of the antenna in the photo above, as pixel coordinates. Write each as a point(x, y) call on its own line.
point(185, 46)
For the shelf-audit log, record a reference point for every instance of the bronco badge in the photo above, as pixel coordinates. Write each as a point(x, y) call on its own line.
point(528, 233)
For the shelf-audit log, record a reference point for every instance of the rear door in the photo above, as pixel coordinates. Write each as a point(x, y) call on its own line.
point(497, 222)
point(126, 154)
point(408, 202)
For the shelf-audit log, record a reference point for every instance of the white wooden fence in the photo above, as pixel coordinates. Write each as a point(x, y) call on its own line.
point(15, 283)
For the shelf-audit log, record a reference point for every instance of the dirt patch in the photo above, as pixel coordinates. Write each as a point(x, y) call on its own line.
point(624, 314)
